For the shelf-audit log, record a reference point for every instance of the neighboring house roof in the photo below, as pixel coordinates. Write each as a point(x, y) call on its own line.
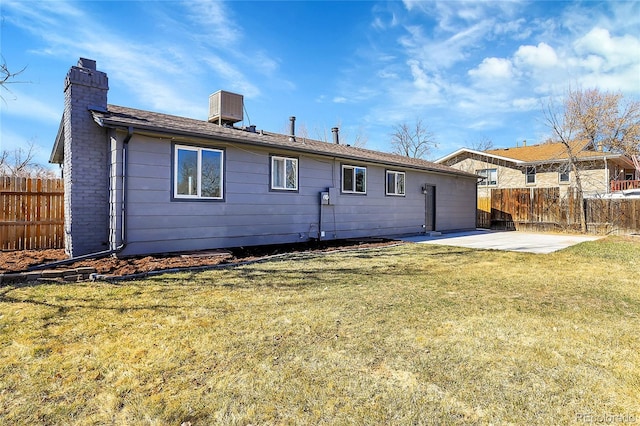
point(541, 153)
point(163, 124)
point(549, 152)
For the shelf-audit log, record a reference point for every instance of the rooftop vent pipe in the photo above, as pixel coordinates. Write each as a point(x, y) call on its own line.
point(336, 139)
point(292, 131)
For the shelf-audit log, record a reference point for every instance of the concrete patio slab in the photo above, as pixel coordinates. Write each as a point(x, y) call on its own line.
point(505, 240)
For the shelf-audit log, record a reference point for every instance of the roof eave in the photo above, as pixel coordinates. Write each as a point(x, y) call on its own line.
point(154, 130)
point(603, 156)
point(481, 153)
point(57, 152)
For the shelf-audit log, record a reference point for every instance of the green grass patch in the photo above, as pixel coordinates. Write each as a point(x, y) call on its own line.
point(414, 334)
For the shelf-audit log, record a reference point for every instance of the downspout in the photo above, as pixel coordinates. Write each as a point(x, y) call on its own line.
point(320, 218)
point(123, 235)
point(125, 186)
point(607, 180)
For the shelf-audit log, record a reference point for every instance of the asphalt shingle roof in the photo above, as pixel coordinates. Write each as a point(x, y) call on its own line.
point(153, 122)
point(545, 152)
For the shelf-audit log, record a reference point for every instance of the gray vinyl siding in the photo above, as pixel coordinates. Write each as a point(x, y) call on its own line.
point(253, 214)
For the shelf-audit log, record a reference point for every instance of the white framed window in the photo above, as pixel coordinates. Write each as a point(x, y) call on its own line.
point(354, 179)
point(198, 173)
point(489, 177)
point(530, 176)
point(563, 177)
point(284, 173)
point(395, 182)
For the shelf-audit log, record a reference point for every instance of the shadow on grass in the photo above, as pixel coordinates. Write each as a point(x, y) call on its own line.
point(258, 274)
point(62, 308)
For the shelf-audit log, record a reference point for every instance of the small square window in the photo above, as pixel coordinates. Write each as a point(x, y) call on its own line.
point(395, 183)
point(354, 179)
point(489, 177)
point(563, 177)
point(530, 175)
point(284, 173)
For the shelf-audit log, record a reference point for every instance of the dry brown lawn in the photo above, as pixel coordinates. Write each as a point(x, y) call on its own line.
point(414, 334)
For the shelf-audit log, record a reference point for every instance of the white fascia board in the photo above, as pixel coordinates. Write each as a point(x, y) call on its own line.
point(481, 153)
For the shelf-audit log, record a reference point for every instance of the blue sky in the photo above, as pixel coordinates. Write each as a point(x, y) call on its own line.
point(470, 71)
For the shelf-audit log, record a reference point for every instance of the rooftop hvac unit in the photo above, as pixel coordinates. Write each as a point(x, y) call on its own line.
point(225, 107)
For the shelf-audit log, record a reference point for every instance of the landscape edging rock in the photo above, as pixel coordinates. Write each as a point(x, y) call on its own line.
point(48, 275)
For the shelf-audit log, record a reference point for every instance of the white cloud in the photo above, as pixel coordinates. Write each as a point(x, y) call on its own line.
point(516, 29)
point(436, 54)
point(615, 51)
point(626, 80)
point(231, 74)
point(421, 80)
point(455, 16)
point(540, 56)
point(493, 69)
point(163, 75)
point(526, 104)
point(383, 17)
point(213, 22)
point(22, 105)
point(26, 16)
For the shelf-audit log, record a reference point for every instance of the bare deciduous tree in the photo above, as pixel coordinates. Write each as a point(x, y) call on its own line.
point(605, 119)
point(7, 77)
point(20, 163)
point(564, 129)
point(325, 135)
point(600, 118)
point(412, 141)
point(359, 140)
point(482, 144)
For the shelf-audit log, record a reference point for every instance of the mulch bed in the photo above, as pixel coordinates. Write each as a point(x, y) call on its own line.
point(18, 261)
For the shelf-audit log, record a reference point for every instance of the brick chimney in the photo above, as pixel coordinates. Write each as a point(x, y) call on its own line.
point(85, 167)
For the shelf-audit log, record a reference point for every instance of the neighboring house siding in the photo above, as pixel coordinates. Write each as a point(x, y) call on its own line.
point(507, 177)
point(252, 214)
point(593, 175)
point(594, 181)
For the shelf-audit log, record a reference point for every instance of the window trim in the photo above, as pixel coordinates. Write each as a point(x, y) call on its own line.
point(174, 173)
point(354, 190)
point(487, 178)
point(395, 173)
point(272, 174)
point(527, 174)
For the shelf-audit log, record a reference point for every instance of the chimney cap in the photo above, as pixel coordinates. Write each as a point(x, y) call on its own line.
point(87, 63)
point(336, 138)
point(292, 129)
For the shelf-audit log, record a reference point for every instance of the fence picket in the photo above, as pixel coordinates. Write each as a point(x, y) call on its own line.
point(32, 214)
point(543, 209)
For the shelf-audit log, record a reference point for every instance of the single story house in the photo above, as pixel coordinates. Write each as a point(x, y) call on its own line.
point(141, 182)
point(546, 165)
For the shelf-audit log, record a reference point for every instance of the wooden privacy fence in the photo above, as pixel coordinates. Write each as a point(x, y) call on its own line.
point(32, 215)
point(484, 212)
point(544, 209)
